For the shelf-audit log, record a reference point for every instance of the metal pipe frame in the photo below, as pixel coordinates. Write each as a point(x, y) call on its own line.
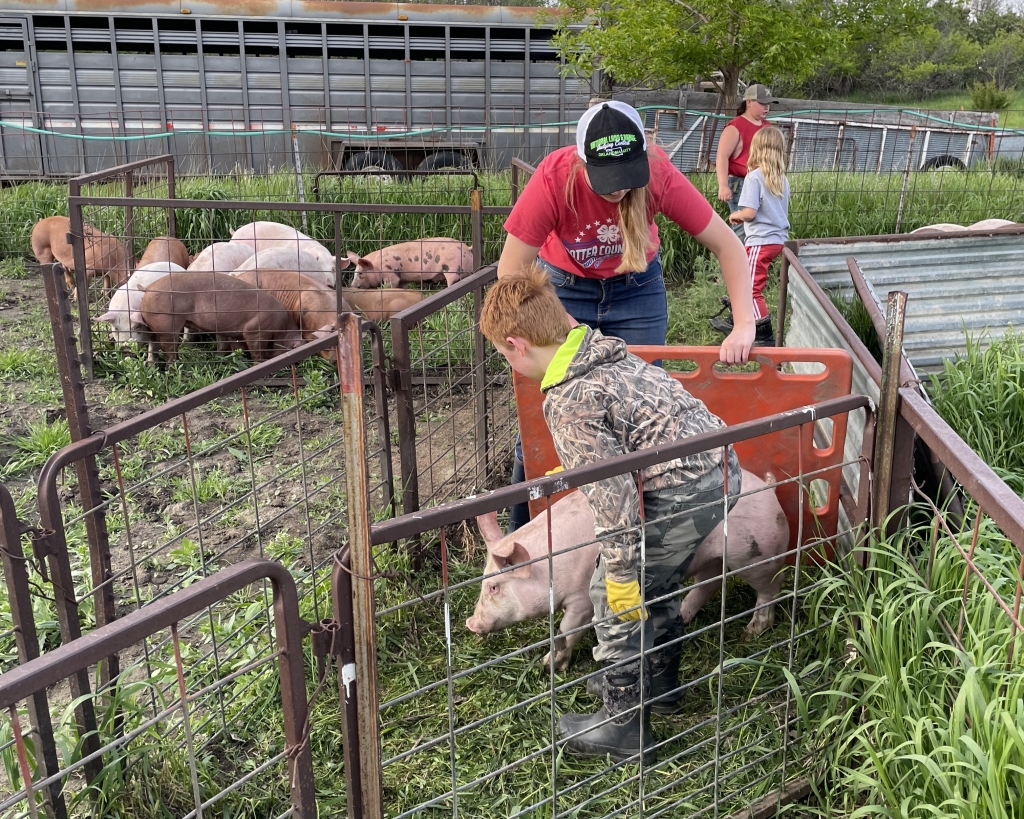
point(74, 658)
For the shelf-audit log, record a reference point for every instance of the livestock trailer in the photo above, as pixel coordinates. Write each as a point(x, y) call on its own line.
point(821, 137)
point(228, 86)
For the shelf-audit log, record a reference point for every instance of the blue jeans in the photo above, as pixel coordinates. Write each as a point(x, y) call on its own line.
point(736, 186)
point(632, 306)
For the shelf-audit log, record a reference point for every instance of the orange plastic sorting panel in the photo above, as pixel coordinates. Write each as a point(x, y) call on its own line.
point(736, 397)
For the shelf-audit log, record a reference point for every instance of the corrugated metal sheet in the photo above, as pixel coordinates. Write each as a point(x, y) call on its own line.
point(954, 283)
point(810, 326)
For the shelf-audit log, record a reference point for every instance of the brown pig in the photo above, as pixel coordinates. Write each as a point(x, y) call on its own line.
point(216, 303)
point(422, 260)
point(165, 249)
point(311, 304)
point(104, 255)
point(380, 305)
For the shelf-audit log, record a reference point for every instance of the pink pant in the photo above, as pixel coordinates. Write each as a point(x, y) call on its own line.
point(758, 259)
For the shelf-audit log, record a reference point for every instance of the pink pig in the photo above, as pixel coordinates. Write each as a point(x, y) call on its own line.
point(758, 530)
point(423, 260)
point(523, 592)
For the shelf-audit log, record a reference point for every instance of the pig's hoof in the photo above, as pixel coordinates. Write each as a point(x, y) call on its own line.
point(758, 625)
point(561, 660)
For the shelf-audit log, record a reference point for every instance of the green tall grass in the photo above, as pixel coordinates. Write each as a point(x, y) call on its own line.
point(822, 204)
point(915, 726)
point(981, 395)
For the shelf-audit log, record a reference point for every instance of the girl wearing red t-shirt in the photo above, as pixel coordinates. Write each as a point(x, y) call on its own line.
point(588, 214)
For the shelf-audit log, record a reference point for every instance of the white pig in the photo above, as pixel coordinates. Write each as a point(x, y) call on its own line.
point(221, 257)
point(125, 310)
point(422, 260)
point(265, 235)
point(758, 530)
point(291, 258)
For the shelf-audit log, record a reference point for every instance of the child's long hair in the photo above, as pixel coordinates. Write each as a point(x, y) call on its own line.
point(634, 219)
point(768, 152)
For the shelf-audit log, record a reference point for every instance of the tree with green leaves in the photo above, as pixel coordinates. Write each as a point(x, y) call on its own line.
point(668, 42)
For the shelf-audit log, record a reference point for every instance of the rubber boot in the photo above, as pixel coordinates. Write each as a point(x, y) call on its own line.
point(722, 325)
point(620, 729)
point(664, 668)
point(664, 662)
point(764, 335)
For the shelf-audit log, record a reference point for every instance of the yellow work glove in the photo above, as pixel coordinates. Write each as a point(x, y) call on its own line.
point(553, 471)
point(622, 596)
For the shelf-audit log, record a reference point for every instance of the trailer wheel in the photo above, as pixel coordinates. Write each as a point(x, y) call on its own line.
point(944, 161)
point(444, 159)
point(374, 161)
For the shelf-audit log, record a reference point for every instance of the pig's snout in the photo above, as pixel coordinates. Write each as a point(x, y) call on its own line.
point(477, 625)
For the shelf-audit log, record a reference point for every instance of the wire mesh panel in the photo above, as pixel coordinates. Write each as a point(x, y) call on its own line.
point(454, 404)
point(180, 733)
point(472, 727)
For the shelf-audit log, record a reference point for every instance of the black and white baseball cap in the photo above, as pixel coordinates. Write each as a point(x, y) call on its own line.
point(610, 140)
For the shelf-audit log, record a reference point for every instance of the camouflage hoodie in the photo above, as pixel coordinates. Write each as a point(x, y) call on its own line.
point(602, 401)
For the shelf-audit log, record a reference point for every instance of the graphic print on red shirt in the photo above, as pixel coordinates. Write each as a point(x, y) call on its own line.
point(589, 242)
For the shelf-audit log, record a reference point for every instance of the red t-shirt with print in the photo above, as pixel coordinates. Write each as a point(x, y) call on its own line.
point(589, 242)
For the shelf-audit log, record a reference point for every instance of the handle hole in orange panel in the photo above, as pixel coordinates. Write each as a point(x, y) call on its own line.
point(680, 365)
point(737, 369)
point(823, 431)
point(795, 369)
point(819, 495)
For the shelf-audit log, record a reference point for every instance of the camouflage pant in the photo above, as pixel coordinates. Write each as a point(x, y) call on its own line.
point(677, 520)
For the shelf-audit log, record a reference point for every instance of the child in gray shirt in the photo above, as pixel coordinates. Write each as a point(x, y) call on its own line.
point(764, 212)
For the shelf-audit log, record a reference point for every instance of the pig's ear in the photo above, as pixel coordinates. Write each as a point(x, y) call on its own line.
point(520, 556)
point(364, 264)
point(324, 331)
point(513, 554)
point(489, 527)
point(353, 259)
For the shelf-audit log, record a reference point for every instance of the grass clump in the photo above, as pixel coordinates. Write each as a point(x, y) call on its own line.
point(14, 268)
point(34, 447)
point(915, 726)
point(980, 393)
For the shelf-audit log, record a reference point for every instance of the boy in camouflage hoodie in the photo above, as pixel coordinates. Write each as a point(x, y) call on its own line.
point(602, 401)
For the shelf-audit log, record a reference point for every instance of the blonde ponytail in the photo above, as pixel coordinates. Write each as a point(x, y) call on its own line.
point(635, 224)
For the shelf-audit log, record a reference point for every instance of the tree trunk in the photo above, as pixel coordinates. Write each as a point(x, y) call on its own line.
point(730, 84)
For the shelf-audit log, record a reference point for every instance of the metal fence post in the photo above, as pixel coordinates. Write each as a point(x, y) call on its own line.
point(888, 406)
point(76, 239)
point(348, 692)
point(406, 412)
point(172, 220)
point(350, 373)
point(483, 455)
point(20, 596)
point(73, 387)
point(476, 218)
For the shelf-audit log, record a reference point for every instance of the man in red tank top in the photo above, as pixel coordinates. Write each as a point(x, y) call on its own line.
point(734, 146)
